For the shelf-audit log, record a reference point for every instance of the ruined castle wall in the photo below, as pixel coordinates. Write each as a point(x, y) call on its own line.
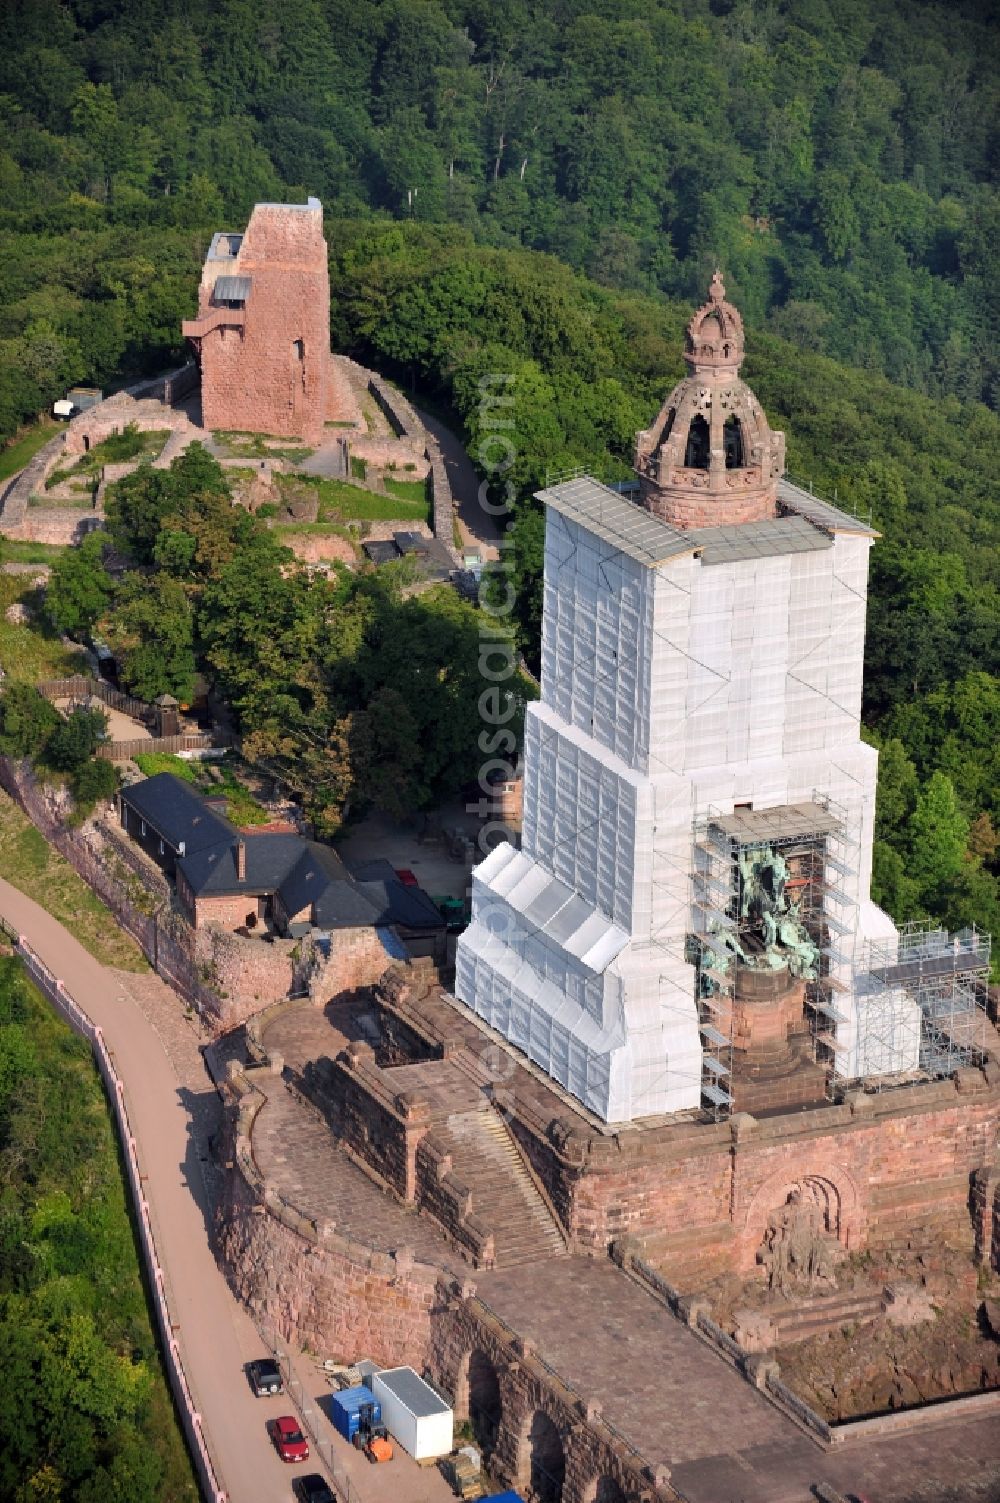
point(59, 525)
point(114, 415)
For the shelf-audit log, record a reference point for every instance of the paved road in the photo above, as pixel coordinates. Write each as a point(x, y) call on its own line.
point(215, 1335)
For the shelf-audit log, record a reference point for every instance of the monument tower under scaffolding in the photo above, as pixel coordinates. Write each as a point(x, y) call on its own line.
point(688, 922)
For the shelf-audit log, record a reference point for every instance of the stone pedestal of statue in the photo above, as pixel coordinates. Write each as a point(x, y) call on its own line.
point(772, 1066)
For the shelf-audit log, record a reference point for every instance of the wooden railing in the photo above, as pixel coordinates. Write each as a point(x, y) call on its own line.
point(80, 686)
point(123, 751)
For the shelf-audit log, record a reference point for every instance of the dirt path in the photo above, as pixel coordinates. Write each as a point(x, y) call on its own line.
point(480, 529)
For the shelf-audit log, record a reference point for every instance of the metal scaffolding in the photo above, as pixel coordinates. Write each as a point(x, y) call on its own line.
point(945, 975)
point(814, 841)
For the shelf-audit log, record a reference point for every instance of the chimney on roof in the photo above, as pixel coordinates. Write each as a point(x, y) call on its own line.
point(241, 861)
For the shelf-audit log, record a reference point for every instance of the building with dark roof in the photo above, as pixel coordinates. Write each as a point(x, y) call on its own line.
point(284, 881)
point(408, 910)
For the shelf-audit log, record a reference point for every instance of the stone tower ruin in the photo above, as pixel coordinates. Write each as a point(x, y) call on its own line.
point(262, 334)
point(688, 922)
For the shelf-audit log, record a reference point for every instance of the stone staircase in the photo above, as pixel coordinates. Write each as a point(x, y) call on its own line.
point(775, 1326)
point(178, 441)
point(504, 1195)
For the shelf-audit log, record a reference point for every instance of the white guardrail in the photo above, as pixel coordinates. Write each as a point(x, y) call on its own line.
point(208, 1471)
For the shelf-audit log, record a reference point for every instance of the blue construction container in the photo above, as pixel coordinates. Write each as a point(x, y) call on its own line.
point(503, 1498)
point(346, 1406)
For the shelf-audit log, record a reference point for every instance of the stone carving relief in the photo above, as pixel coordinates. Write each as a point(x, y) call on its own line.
point(800, 1247)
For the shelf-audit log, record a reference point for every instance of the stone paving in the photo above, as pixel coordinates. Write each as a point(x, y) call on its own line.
point(307, 1032)
point(296, 1150)
point(677, 1402)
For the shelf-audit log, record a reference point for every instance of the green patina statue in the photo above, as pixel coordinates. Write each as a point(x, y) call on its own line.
point(771, 934)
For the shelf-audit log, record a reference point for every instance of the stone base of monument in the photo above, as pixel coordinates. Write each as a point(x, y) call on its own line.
point(772, 1063)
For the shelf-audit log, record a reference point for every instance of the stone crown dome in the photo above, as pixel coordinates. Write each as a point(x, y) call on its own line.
point(710, 458)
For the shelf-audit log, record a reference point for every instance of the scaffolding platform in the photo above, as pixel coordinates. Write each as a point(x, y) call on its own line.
point(811, 837)
point(926, 995)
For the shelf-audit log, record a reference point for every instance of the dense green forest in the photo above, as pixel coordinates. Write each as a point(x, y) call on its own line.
point(84, 1409)
point(837, 157)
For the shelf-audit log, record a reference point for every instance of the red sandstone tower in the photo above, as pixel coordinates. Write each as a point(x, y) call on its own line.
point(262, 335)
point(710, 458)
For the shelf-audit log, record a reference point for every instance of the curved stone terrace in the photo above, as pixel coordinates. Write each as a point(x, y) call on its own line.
point(297, 1153)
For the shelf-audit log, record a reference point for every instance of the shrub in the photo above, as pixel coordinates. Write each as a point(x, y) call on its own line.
point(27, 721)
point(73, 741)
point(94, 782)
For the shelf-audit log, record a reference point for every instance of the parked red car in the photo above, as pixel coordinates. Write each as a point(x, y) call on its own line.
point(290, 1443)
point(406, 876)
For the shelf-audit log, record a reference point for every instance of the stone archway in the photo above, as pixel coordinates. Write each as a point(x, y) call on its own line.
point(485, 1402)
point(605, 1490)
point(543, 1460)
point(831, 1192)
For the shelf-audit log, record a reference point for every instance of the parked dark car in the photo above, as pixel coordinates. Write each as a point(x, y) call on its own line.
point(312, 1488)
point(265, 1377)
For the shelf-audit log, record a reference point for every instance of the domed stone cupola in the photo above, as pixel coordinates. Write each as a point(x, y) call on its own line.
point(710, 458)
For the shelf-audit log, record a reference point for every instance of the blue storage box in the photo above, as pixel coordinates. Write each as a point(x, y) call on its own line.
point(346, 1406)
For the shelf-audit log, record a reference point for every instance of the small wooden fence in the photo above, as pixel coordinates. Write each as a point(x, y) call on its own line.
point(80, 686)
point(123, 751)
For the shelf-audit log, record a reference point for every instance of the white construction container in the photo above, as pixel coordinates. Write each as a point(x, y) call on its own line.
point(413, 1413)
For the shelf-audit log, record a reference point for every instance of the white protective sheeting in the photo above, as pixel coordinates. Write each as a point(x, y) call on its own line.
point(682, 675)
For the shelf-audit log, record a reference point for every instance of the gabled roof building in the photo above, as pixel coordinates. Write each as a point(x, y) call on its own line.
point(242, 880)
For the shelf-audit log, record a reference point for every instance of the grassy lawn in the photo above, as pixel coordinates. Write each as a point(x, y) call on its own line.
point(83, 498)
point(408, 490)
point(322, 529)
point(13, 551)
point(31, 864)
point(340, 502)
point(241, 806)
point(17, 454)
point(34, 650)
point(259, 446)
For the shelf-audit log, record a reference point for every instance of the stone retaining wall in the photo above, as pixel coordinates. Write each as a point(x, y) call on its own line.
point(883, 1166)
point(304, 1279)
point(595, 1453)
point(59, 525)
point(13, 515)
